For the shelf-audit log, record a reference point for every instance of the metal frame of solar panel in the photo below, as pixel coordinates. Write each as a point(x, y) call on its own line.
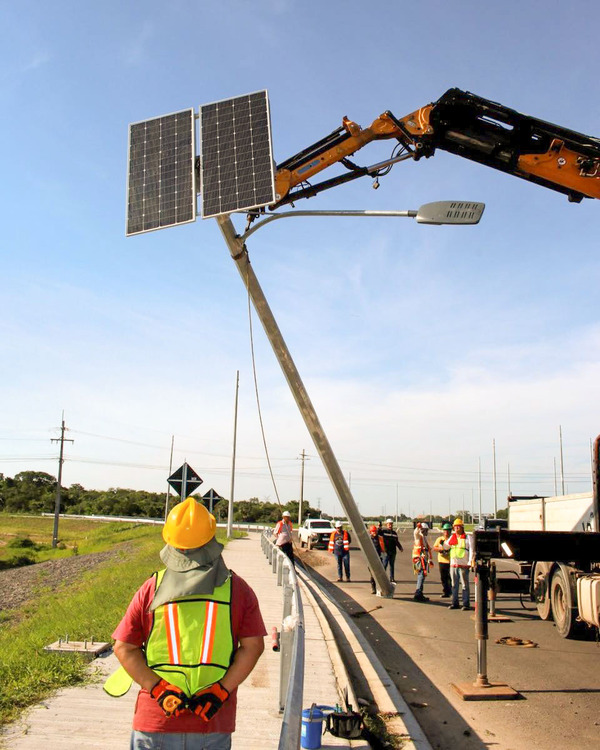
point(160, 180)
point(237, 169)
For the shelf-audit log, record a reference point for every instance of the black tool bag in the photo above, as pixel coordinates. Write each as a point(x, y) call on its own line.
point(347, 725)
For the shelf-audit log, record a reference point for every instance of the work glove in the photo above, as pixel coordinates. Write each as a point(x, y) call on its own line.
point(205, 703)
point(170, 698)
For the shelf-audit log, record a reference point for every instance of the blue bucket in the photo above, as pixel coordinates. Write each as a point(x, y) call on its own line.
point(312, 726)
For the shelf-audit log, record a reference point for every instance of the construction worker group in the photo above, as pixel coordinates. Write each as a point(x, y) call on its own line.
point(454, 557)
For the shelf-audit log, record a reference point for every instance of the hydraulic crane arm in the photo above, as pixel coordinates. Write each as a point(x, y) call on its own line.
point(463, 124)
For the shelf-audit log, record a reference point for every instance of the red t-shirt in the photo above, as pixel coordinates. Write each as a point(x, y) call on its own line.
point(134, 628)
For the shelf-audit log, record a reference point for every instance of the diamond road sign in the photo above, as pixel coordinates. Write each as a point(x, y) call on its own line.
point(184, 481)
point(210, 498)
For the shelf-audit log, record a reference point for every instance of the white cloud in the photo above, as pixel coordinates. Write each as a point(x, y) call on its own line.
point(136, 51)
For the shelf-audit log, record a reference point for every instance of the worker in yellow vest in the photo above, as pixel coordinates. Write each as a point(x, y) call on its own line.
point(461, 558)
point(191, 634)
point(443, 560)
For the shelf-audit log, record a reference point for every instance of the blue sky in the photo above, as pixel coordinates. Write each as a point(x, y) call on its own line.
point(418, 345)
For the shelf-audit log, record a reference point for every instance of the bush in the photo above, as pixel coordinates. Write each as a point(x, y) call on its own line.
point(27, 544)
point(18, 561)
point(24, 542)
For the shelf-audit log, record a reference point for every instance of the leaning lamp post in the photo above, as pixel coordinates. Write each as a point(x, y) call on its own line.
point(234, 172)
point(440, 212)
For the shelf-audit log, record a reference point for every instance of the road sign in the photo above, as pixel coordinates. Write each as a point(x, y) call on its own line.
point(210, 498)
point(184, 481)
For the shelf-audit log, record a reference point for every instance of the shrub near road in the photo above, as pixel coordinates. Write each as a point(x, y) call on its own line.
point(84, 595)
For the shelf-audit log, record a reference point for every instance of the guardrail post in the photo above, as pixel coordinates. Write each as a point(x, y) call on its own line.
point(286, 639)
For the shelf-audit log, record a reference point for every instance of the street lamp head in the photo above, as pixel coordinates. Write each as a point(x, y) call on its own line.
point(450, 212)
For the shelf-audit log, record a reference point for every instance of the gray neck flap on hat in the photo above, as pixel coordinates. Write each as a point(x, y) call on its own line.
point(189, 572)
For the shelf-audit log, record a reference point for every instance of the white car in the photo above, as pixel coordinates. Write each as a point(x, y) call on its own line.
point(315, 531)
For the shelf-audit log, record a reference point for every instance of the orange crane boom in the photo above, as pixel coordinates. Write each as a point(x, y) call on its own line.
point(464, 124)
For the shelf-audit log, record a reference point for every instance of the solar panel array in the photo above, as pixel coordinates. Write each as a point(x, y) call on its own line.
point(237, 171)
point(160, 183)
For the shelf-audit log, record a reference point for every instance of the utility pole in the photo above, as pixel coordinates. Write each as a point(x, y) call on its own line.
point(495, 488)
point(168, 485)
point(562, 466)
point(235, 416)
point(479, 489)
point(62, 440)
point(304, 457)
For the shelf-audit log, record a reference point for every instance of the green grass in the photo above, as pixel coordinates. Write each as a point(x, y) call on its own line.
point(75, 536)
point(89, 608)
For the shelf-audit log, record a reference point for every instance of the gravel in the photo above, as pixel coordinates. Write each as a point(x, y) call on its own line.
point(19, 585)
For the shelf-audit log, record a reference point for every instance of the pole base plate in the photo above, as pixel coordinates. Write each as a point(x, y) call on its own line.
point(495, 691)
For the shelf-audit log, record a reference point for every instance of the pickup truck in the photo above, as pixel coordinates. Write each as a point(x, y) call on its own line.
point(315, 532)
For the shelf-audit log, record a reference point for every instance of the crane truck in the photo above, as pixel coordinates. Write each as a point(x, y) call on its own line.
point(566, 587)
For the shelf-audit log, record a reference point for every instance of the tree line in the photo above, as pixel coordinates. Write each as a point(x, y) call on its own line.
point(35, 492)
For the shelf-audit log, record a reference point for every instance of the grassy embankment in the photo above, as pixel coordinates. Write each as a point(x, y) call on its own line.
point(89, 607)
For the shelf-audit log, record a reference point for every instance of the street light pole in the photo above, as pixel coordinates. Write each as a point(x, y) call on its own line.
point(439, 212)
point(239, 254)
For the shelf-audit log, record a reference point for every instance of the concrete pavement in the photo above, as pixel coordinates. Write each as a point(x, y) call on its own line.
point(86, 717)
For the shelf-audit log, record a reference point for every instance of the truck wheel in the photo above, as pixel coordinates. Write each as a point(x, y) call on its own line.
point(541, 589)
point(562, 604)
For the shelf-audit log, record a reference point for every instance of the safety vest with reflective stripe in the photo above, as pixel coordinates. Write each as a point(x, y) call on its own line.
point(190, 644)
point(339, 540)
point(458, 552)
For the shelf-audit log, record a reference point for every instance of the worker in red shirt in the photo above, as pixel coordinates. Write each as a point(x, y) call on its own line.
point(191, 634)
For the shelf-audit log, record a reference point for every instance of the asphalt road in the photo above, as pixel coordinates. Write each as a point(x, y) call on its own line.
point(426, 647)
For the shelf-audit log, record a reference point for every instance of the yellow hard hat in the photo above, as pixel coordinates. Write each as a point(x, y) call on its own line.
point(458, 522)
point(189, 525)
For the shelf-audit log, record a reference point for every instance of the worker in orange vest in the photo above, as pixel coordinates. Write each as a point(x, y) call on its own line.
point(339, 545)
point(421, 559)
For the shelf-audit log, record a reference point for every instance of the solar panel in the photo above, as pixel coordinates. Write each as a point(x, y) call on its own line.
point(237, 171)
point(160, 181)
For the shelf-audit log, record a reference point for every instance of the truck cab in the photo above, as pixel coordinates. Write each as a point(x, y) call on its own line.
point(315, 533)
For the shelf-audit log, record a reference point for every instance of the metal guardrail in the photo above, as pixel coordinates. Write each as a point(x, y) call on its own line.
point(239, 526)
point(291, 676)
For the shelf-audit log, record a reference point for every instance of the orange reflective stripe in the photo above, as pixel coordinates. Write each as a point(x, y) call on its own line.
point(172, 628)
point(208, 640)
